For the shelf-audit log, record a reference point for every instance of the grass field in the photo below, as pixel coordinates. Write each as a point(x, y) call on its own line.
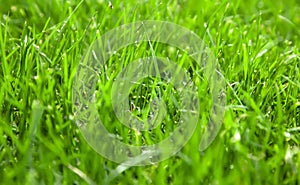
point(256, 45)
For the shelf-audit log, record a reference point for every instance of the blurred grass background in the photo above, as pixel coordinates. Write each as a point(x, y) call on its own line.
point(256, 44)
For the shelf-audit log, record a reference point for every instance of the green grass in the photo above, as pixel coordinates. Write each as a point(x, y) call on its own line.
point(257, 46)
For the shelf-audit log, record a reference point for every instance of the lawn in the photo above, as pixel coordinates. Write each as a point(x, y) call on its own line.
point(256, 45)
